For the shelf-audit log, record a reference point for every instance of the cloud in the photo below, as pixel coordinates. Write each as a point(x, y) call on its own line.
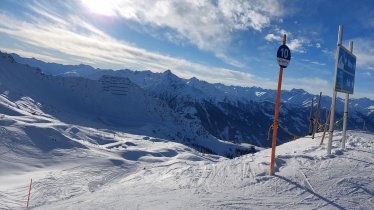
point(34, 55)
point(277, 34)
point(362, 95)
point(314, 62)
point(312, 85)
point(74, 40)
point(273, 37)
point(298, 44)
point(330, 53)
point(363, 48)
point(66, 37)
point(229, 60)
point(318, 63)
point(206, 24)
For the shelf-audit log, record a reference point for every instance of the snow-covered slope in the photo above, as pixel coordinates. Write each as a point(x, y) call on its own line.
point(305, 179)
point(110, 103)
point(138, 172)
point(231, 113)
point(66, 160)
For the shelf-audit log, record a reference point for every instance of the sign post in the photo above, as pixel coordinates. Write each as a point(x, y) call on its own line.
point(283, 58)
point(344, 77)
point(346, 107)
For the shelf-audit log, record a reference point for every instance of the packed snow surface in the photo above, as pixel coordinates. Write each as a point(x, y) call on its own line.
point(79, 167)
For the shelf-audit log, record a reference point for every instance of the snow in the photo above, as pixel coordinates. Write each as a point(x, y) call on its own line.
point(260, 93)
point(81, 154)
point(371, 108)
point(157, 82)
point(111, 102)
point(69, 160)
point(86, 168)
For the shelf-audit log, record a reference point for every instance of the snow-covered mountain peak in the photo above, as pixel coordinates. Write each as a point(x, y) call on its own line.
point(232, 113)
point(7, 57)
point(111, 101)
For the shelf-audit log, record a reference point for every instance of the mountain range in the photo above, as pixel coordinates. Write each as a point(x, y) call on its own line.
point(164, 105)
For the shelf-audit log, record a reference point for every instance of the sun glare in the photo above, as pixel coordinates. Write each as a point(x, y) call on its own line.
point(102, 7)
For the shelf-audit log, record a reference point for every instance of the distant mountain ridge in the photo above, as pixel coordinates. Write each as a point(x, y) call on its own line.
point(114, 103)
point(231, 113)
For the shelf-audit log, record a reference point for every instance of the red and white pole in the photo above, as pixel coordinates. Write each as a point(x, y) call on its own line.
point(28, 197)
point(276, 116)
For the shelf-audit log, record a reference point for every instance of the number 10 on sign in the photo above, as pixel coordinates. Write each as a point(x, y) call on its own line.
point(283, 56)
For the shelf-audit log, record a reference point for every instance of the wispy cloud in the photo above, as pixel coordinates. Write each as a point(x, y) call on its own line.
point(273, 37)
point(329, 53)
point(277, 34)
point(206, 24)
point(61, 33)
point(363, 48)
point(295, 44)
point(315, 85)
point(298, 44)
point(314, 62)
point(77, 40)
point(363, 95)
point(368, 73)
point(43, 57)
point(318, 63)
point(312, 85)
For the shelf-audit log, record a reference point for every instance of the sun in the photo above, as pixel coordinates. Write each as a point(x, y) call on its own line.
point(102, 7)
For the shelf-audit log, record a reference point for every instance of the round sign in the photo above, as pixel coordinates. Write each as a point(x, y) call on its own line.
point(283, 56)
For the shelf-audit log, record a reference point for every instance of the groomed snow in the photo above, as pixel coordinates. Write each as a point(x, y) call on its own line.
point(157, 174)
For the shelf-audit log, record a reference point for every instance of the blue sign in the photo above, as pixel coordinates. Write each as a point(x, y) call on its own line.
point(345, 72)
point(283, 56)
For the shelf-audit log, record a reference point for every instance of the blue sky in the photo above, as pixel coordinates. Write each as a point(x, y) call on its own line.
point(226, 41)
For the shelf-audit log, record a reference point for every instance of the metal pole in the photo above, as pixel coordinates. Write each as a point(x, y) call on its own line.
point(346, 108)
point(333, 101)
point(276, 115)
point(317, 116)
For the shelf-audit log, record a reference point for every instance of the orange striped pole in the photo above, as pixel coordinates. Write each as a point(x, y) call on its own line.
point(28, 197)
point(276, 116)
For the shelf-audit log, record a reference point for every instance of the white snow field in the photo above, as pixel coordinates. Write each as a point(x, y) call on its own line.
point(139, 172)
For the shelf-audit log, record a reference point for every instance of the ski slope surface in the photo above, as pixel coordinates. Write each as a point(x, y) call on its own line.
point(146, 173)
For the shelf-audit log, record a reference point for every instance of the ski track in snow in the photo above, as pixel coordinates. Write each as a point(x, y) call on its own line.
point(306, 179)
point(158, 174)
